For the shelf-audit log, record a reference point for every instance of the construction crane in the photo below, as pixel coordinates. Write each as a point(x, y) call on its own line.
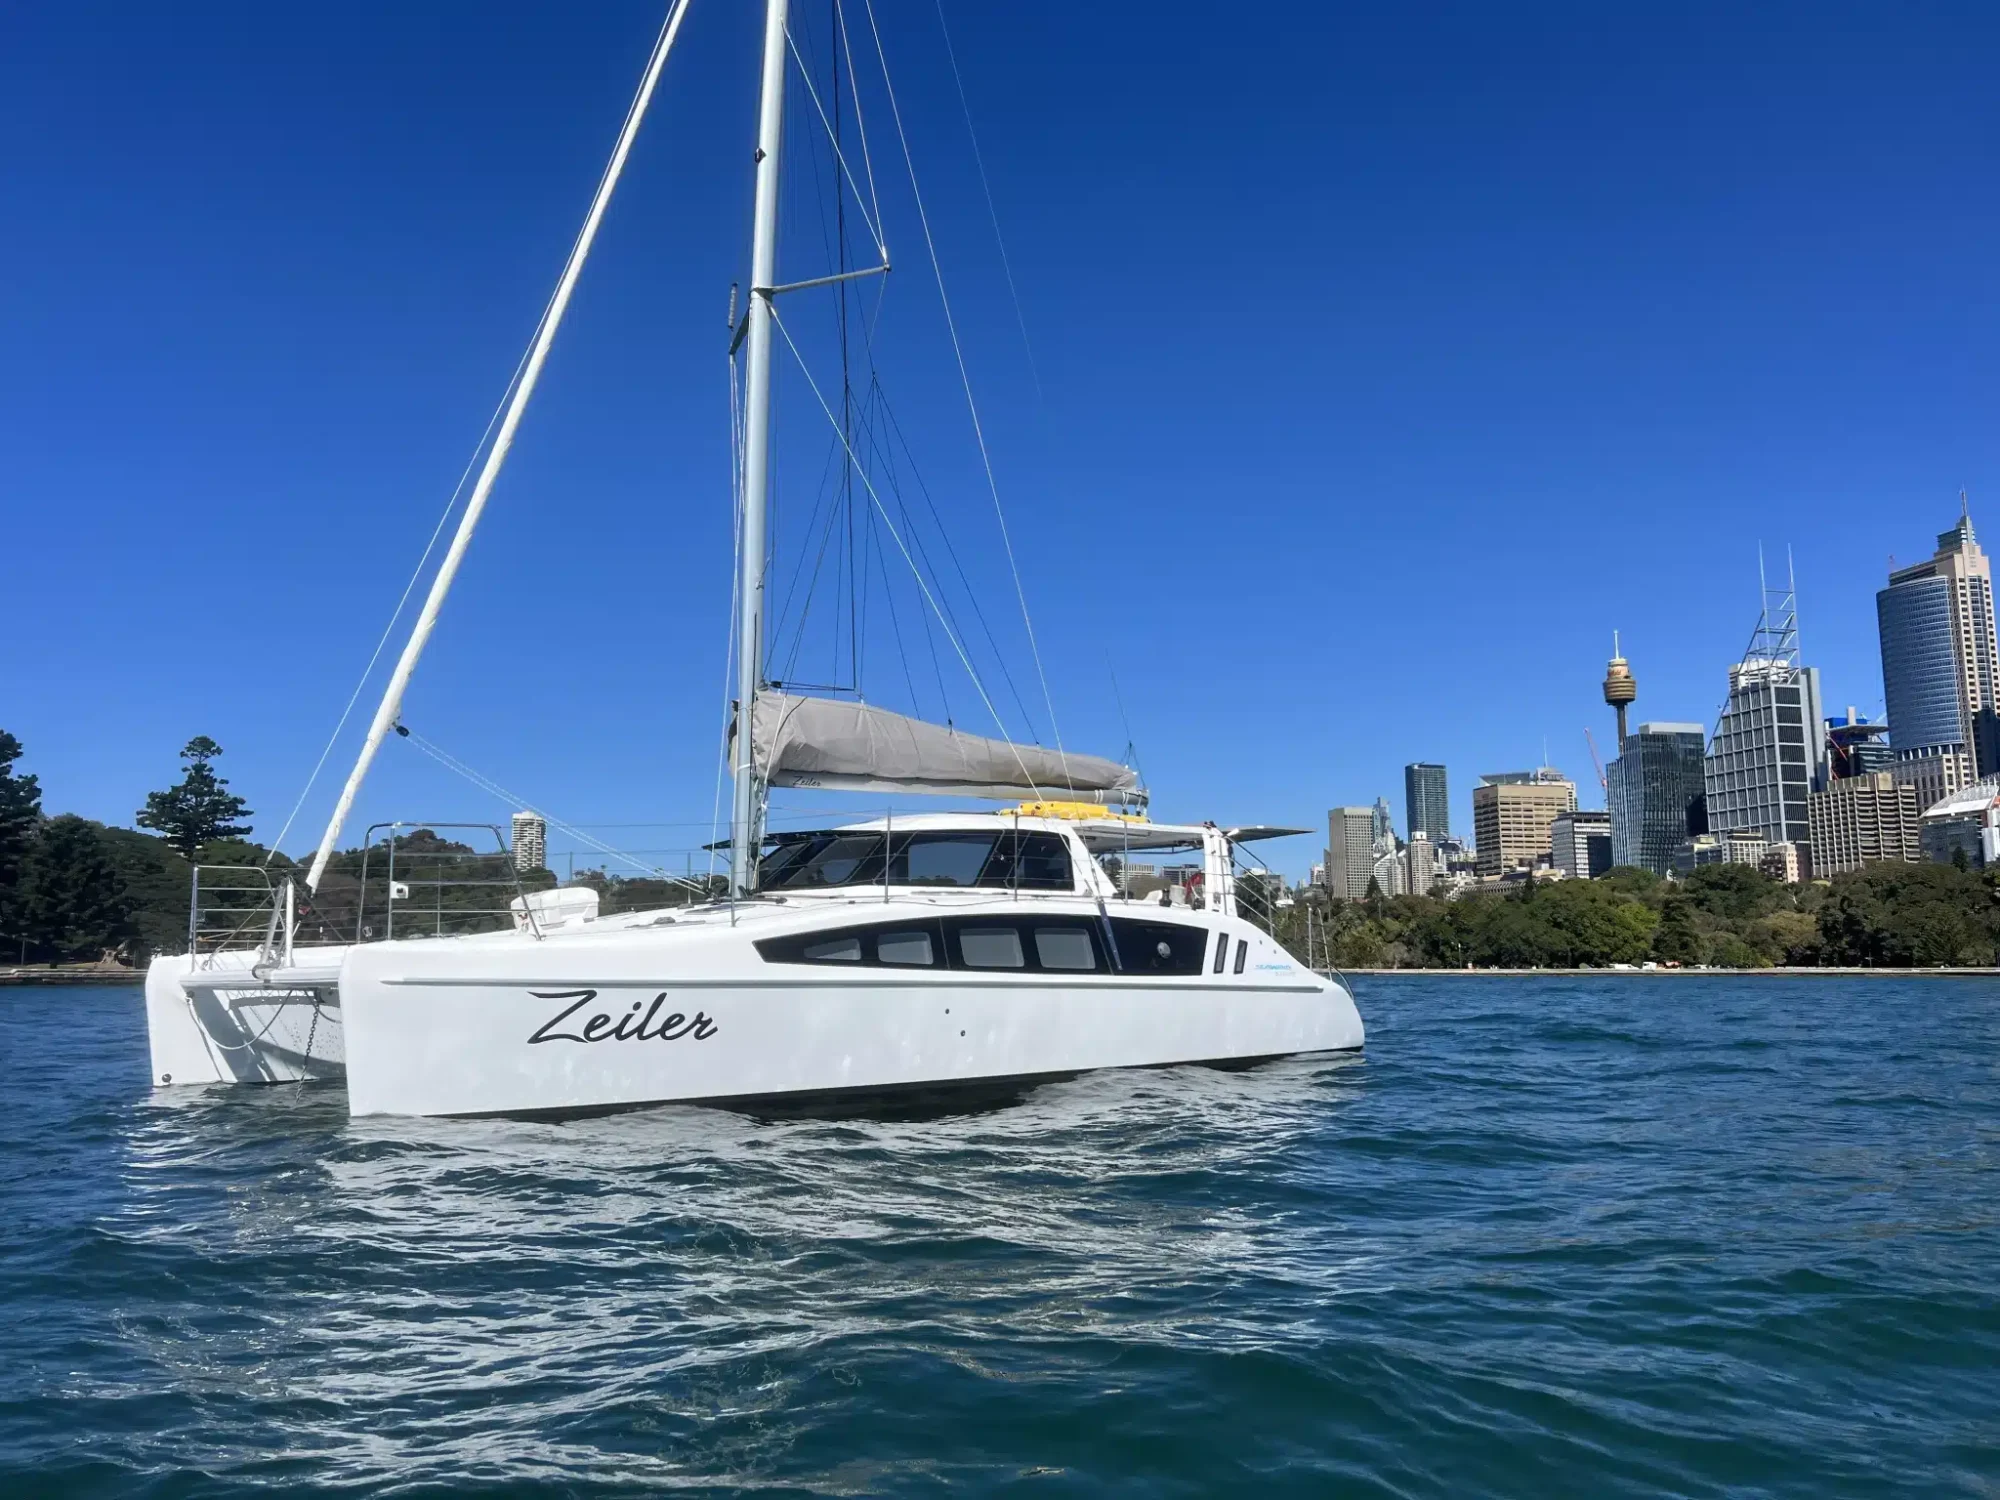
point(1603, 782)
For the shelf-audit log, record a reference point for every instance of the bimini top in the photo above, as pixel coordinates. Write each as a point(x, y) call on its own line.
point(855, 747)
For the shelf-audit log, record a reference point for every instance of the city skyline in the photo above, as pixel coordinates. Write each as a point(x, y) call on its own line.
point(1777, 771)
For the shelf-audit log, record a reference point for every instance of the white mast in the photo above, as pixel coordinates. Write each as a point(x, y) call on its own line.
point(392, 697)
point(745, 830)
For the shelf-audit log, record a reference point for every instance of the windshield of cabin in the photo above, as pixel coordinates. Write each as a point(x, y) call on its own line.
point(964, 859)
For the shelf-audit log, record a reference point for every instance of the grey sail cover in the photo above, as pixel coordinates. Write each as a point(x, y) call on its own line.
point(856, 747)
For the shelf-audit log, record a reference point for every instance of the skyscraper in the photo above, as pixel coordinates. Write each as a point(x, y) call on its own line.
point(1655, 794)
point(1512, 812)
point(1383, 823)
point(1350, 851)
point(1420, 865)
point(1769, 747)
point(1425, 800)
point(1863, 819)
point(531, 836)
point(1938, 657)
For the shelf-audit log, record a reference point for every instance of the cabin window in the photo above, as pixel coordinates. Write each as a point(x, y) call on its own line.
point(1065, 948)
point(1242, 954)
point(1029, 862)
point(1160, 947)
point(823, 860)
point(903, 948)
point(991, 948)
point(843, 950)
point(1221, 950)
point(999, 859)
point(953, 859)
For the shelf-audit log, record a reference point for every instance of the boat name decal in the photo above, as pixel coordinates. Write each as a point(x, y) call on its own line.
point(602, 1025)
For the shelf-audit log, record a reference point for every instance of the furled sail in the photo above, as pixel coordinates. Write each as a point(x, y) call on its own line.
point(856, 747)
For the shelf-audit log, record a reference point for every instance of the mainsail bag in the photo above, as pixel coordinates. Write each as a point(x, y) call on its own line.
point(856, 747)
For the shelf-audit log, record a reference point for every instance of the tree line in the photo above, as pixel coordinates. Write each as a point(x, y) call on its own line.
point(1889, 915)
point(74, 890)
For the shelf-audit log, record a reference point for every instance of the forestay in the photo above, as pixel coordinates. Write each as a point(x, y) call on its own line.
point(856, 747)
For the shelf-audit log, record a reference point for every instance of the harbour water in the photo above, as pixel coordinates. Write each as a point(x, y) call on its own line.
point(1623, 1236)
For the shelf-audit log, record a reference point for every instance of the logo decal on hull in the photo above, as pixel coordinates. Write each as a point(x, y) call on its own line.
point(604, 1024)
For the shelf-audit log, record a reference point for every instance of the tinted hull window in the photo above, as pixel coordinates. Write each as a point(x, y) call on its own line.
point(999, 860)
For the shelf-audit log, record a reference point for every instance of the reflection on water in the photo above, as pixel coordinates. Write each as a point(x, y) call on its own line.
point(702, 1262)
point(1546, 1235)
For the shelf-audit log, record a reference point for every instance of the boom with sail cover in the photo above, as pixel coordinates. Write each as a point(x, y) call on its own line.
point(855, 747)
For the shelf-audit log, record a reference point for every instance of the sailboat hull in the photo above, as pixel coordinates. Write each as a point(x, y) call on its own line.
point(591, 1025)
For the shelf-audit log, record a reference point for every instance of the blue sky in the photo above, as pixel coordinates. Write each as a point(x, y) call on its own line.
point(1381, 365)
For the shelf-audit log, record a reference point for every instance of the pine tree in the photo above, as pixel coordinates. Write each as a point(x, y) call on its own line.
point(197, 808)
point(20, 816)
point(77, 903)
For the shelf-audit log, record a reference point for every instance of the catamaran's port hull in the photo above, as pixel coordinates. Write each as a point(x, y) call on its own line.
point(219, 1023)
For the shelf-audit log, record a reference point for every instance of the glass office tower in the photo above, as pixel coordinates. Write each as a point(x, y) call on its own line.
point(1920, 671)
point(1425, 801)
point(1655, 793)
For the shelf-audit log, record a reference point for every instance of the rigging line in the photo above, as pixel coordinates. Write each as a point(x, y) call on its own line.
point(950, 614)
point(451, 505)
point(965, 379)
point(1130, 743)
point(992, 213)
point(813, 94)
point(870, 420)
point(782, 618)
point(812, 588)
point(924, 557)
point(503, 438)
point(874, 536)
point(860, 120)
point(857, 584)
point(869, 485)
point(493, 788)
point(951, 551)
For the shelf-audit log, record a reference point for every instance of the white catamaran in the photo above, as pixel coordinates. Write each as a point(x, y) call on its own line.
point(899, 953)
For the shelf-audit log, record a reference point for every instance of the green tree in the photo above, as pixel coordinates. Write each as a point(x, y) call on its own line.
point(197, 808)
point(156, 881)
point(1586, 924)
point(20, 816)
point(1678, 938)
point(1785, 937)
point(77, 903)
point(1630, 880)
point(1733, 893)
point(1893, 915)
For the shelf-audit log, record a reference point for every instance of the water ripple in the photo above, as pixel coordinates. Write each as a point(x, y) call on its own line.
point(1686, 1237)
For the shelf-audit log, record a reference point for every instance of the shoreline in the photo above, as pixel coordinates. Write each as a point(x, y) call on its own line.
point(28, 975)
